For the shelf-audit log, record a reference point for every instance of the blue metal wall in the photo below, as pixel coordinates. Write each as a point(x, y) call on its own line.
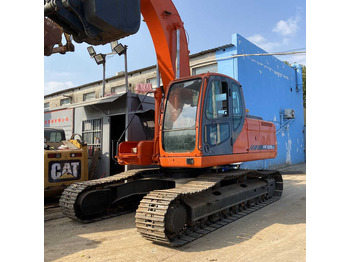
point(269, 86)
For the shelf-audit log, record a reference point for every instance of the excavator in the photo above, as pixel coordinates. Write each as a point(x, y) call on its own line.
point(201, 127)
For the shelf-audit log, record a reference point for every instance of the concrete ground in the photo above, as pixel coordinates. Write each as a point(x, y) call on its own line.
point(274, 233)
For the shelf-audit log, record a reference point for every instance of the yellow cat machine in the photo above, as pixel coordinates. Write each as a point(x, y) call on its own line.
point(65, 161)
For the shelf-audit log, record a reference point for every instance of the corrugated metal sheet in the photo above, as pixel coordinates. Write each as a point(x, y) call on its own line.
point(101, 100)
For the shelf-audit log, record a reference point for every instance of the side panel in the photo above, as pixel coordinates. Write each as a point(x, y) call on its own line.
point(65, 170)
point(209, 161)
point(253, 133)
point(242, 145)
point(261, 136)
point(257, 141)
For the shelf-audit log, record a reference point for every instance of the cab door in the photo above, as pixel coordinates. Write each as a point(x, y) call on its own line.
point(216, 119)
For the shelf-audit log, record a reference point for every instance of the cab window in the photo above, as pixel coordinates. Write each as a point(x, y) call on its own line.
point(217, 105)
point(237, 106)
point(53, 136)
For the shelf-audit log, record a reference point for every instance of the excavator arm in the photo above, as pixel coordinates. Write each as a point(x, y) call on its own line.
point(101, 22)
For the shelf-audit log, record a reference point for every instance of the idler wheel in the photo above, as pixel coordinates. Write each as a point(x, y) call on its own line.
point(175, 218)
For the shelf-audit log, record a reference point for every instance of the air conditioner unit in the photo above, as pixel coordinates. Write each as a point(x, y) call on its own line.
point(289, 114)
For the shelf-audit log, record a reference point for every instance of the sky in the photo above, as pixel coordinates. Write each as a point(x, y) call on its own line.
point(273, 25)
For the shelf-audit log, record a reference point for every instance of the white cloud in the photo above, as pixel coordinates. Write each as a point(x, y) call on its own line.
point(54, 86)
point(257, 39)
point(263, 43)
point(271, 47)
point(287, 28)
point(300, 59)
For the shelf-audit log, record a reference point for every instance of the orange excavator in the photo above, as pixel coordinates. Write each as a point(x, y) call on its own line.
point(201, 129)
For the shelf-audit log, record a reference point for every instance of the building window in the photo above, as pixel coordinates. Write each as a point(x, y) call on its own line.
point(89, 96)
point(213, 68)
point(92, 134)
point(65, 101)
point(118, 89)
point(47, 105)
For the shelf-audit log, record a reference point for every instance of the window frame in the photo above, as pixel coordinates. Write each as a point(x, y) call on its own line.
point(89, 93)
point(121, 87)
point(228, 111)
point(235, 88)
point(167, 133)
point(65, 99)
point(203, 69)
point(96, 143)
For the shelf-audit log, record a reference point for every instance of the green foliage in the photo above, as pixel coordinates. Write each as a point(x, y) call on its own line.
point(304, 84)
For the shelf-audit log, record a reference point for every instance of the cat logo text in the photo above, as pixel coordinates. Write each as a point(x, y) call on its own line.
point(64, 170)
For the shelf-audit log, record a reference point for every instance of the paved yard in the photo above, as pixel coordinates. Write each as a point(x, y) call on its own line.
point(274, 233)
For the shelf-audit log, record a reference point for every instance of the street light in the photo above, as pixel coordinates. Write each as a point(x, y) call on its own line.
point(91, 51)
point(121, 50)
point(99, 59)
point(114, 44)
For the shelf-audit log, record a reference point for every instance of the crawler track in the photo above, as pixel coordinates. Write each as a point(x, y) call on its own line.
point(151, 216)
point(71, 194)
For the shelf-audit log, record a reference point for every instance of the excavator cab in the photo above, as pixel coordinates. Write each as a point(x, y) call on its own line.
point(95, 22)
point(203, 117)
point(204, 124)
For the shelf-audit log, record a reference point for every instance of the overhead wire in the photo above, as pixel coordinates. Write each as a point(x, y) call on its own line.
point(245, 55)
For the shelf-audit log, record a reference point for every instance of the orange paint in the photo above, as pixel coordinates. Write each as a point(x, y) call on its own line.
point(162, 20)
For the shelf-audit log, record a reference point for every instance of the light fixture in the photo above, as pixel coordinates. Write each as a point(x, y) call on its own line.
point(114, 44)
point(99, 58)
point(120, 49)
point(91, 51)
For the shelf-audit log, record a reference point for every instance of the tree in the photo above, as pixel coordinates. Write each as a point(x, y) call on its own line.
point(304, 84)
